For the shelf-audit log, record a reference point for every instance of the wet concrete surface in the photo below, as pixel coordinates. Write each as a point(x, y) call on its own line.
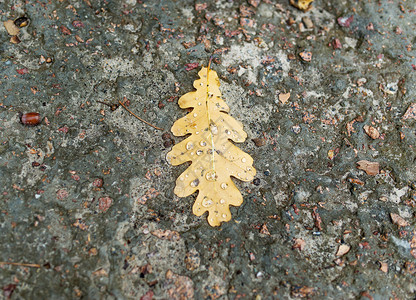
point(87, 195)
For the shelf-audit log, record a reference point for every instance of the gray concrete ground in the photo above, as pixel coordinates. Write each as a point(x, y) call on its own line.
point(87, 195)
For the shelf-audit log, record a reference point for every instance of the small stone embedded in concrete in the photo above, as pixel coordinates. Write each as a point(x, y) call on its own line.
point(284, 97)
point(343, 249)
point(299, 244)
point(11, 28)
point(104, 203)
point(336, 44)
point(371, 168)
point(410, 112)
point(371, 132)
point(308, 22)
point(384, 267)
point(345, 21)
point(398, 220)
point(192, 260)
point(306, 56)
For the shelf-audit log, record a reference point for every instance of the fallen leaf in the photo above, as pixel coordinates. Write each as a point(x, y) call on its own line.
point(399, 221)
point(371, 168)
point(303, 5)
point(215, 159)
point(343, 249)
point(371, 132)
point(11, 28)
point(284, 97)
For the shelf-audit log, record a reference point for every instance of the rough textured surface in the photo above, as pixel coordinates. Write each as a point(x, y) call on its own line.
point(87, 195)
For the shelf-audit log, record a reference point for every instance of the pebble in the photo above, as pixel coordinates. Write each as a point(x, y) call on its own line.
point(259, 142)
point(306, 56)
point(308, 22)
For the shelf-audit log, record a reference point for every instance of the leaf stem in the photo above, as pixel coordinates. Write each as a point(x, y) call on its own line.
point(125, 107)
point(19, 264)
point(209, 118)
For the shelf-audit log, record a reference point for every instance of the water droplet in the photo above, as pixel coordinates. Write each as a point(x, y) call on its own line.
point(201, 84)
point(207, 202)
point(209, 151)
point(195, 114)
point(243, 160)
point(199, 103)
point(186, 176)
point(194, 183)
point(224, 216)
point(214, 129)
point(248, 169)
point(239, 174)
point(192, 153)
point(210, 95)
point(203, 144)
point(196, 132)
point(199, 152)
point(190, 146)
point(211, 175)
point(224, 185)
point(227, 131)
point(222, 201)
point(181, 178)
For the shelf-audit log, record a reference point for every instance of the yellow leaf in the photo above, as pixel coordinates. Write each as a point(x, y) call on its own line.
point(304, 5)
point(215, 159)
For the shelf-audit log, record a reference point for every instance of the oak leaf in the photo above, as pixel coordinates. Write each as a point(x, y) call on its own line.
point(215, 159)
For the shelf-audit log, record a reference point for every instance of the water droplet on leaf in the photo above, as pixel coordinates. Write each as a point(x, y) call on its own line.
point(194, 183)
point(207, 202)
point(190, 146)
point(211, 175)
